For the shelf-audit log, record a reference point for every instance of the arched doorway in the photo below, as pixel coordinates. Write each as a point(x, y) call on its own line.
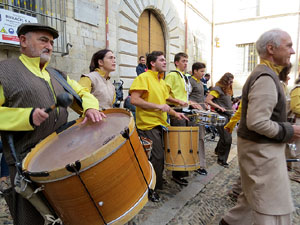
point(150, 34)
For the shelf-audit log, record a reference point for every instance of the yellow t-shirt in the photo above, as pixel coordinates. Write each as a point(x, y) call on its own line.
point(156, 91)
point(214, 93)
point(295, 101)
point(17, 119)
point(177, 86)
point(235, 118)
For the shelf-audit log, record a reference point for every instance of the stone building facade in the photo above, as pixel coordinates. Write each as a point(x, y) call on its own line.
point(85, 23)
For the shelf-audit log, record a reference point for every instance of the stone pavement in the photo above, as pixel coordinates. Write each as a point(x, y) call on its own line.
point(203, 202)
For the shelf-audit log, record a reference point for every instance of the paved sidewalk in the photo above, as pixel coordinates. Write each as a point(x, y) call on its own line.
point(203, 202)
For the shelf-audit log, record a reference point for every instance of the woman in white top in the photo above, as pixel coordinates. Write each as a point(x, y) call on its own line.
point(98, 80)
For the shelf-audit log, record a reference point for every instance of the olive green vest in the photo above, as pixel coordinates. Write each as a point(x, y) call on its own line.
point(279, 113)
point(23, 89)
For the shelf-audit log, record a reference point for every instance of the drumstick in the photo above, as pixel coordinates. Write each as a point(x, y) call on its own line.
point(63, 100)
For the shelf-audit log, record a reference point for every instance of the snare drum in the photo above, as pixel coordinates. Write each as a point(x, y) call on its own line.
point(221, 120)
point(181, 148)
point(206, 117)
point(106, 184)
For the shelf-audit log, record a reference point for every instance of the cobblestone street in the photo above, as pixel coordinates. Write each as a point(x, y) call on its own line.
point(203, 202)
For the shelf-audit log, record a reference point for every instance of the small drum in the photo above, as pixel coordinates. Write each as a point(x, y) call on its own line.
point(147, 144)
point(92, 174)
point(181, 148)
point(221, 120)
point(206, 117)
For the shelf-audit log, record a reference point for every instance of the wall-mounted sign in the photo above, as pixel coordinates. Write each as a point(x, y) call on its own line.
point(9, 22)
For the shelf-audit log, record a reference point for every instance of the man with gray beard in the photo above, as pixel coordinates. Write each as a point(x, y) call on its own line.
point(262, 136)
point(27, 87)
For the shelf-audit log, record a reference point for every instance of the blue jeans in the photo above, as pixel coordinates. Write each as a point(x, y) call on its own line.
point(4, 166)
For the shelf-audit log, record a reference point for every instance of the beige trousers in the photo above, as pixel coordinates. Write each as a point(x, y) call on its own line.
point(242, 214)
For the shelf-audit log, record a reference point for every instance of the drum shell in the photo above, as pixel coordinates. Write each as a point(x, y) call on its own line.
point(184, 139)
point(112, 177)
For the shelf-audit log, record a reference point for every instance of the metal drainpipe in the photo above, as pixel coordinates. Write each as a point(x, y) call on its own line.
point(186, 26)
point(106, 25)
point(212, 44)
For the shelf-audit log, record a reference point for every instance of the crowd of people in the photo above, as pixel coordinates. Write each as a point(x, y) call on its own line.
point(159, 100)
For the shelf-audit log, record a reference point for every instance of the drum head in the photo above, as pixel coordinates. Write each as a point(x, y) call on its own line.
point(78, 142)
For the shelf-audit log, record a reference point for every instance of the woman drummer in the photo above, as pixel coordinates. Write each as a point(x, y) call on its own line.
point(98, 80)
point(220, 99)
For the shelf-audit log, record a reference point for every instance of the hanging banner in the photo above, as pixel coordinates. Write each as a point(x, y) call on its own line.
point(9, 23)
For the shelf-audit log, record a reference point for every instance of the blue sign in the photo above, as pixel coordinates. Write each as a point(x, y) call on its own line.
point(11, 30)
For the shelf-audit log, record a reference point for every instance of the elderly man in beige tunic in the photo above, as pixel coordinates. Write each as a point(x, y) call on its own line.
point(262, 134)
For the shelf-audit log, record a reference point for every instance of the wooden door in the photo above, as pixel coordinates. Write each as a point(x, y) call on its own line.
point(150, 34)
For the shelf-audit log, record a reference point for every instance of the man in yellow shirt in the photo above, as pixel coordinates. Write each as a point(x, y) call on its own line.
point(179, 88)
point(27, 87)
point(149, 94)
point(295, 108)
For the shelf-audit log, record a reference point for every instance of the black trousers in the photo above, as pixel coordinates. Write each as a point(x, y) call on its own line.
point(224, 143)
point(157, 153)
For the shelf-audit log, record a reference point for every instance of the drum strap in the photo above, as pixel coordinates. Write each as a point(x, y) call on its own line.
point(152, 195)
point(65, 85)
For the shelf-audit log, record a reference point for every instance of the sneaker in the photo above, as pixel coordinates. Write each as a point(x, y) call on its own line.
point(201, 171)
point(180, 181)
point(153, 196)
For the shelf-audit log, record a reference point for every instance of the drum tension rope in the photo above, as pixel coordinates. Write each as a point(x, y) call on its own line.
point(152, 195)
point(74, 168)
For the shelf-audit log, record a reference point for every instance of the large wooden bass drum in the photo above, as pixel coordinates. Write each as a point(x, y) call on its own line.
point(94, 173)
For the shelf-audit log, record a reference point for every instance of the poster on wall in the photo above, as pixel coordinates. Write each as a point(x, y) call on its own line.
point(9, 22)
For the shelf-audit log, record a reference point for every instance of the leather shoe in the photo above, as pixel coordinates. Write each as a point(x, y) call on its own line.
point(202, 171)
point(180, 180)
point(223, 222)
point(224, 164)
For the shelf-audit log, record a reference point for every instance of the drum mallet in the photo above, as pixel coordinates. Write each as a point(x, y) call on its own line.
point(293, 160)
point(62, 100)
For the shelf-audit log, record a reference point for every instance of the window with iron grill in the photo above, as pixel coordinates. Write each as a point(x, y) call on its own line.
point(248, 57)
point(48, 12)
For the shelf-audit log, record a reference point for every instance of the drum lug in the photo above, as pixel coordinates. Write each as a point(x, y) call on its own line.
point(168, 150)
point(179, 151)
point(153, 196)
point(73, 167)
point(191, 150)
point(125, 133)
